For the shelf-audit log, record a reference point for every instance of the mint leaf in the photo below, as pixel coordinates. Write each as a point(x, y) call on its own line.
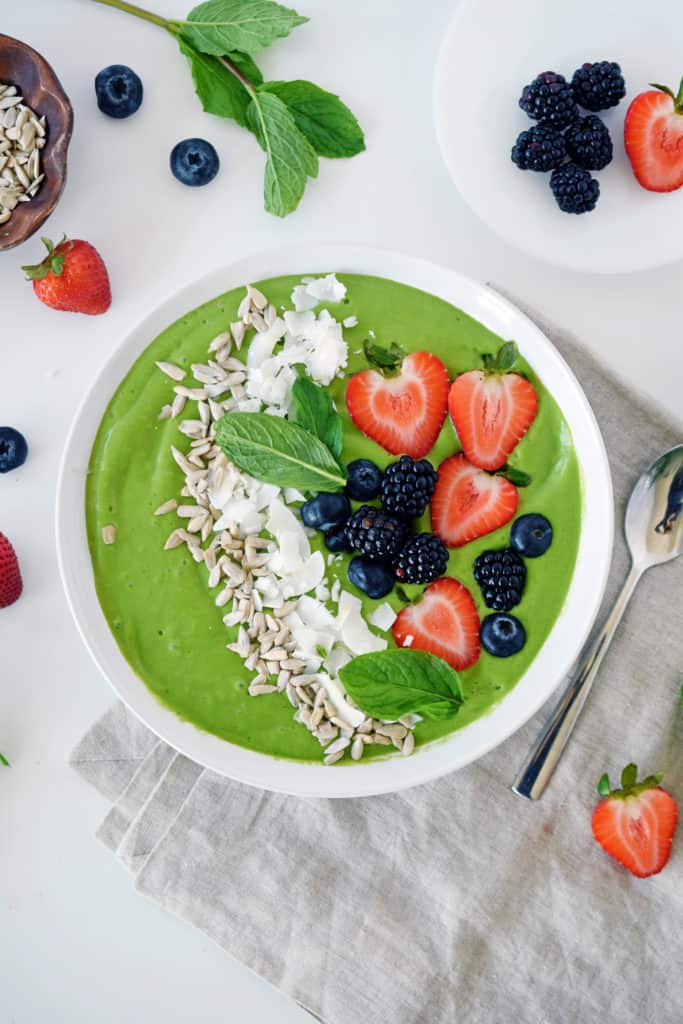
point(516, 476)
point(290, 157)
point(221, 26)
point(327, 123)
point(388, 684)
point(218, 90)
point(315, 412)
point(278, 452)
point(245, 65)
point(507, 356)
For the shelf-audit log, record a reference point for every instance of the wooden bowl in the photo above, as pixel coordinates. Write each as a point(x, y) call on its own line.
point(22, 66)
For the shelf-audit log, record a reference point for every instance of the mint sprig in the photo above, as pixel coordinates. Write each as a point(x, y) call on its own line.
point(294, 122)
point(314, 410)
point(396, 682)
point(278, 452)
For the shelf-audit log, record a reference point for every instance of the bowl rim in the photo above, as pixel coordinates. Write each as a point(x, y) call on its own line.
point(55, 143)
point(380, 775)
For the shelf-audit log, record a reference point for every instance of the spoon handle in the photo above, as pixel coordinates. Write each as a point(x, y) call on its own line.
point(537, 772)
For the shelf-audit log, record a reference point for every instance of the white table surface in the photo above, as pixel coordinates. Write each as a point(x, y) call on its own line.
point(77, 944)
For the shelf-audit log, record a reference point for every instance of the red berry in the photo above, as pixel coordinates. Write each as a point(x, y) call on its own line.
point(403, 413)
point(468, 503)
point(72, 277)
point(653, 136)
point(444, 622)
point(491, 412)
point(636, 824)
point(10, 577)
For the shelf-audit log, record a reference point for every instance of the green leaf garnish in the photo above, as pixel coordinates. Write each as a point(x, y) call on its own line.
point(219, 26)
point(290, 158)
point(278, 452)
point(516, 476)
point(389, 684)
point(3, 760)
point(219, 91)
point(292, 121)
point(315, 412)
point(386, 360)
point(327, 123)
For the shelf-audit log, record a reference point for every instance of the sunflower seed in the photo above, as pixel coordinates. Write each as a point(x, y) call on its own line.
point(109, 533)
point(178, 406)
point(196, 394)
point(357, 748)
point(408, 745)
point(9, 101)
point(172, 371)
point(168, 506)
point(257, 298)
point(174, 540)
point(224, 596)
point(333, 758)
point(237, 330)
point(393, 731)
point(244, 307)
point(258, 689)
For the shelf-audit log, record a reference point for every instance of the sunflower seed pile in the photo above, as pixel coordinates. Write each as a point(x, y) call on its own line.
point(234, 562)
point(22, 137)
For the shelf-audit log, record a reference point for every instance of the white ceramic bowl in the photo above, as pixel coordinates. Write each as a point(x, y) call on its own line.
point(491, 49)
point(429, 762)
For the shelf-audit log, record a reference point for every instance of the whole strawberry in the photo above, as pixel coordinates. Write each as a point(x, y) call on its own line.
point(10, 577)
point(72, 277)
point(636, 824)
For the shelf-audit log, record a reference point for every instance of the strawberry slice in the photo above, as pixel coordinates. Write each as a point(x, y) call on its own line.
point(402, 404)
point(636, 824)
point(10, 576)
point(653, 136)
point(444, 622)
point(492, 409)
point(468, 503)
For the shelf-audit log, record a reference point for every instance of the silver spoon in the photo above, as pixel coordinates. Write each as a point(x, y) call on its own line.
point(654, 534)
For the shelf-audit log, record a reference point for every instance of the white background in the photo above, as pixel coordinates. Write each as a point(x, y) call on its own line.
point(76, 943)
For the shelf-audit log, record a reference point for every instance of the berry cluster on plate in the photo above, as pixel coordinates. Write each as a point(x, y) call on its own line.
point(570, 140)
point(401, 402)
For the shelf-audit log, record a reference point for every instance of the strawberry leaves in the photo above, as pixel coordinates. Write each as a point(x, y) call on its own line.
point(294, 122)
point(53, 262)
point(629, 784)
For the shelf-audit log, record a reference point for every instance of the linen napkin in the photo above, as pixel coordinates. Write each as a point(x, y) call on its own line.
point(456, 901)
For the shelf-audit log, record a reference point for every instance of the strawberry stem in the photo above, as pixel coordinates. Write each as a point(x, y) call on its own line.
point(53, 263)
point(629, 784)
point(678, 99)
point(138, 12)
point(386, 360)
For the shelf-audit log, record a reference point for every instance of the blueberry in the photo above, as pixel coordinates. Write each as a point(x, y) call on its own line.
point(502, 635)
point(364, 480)
point(335, 540)
point(118, 90)
point(326, 511)
point(372, 578)
point(13, 449)
point(194, 162)
point(531, 535)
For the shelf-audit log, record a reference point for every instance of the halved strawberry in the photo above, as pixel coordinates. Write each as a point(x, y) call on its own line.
point(492, 409)
point(468, 503)
point(636, 824)
point(402, 404)
point(653, 136)
point(444, 622)
point(10, 576)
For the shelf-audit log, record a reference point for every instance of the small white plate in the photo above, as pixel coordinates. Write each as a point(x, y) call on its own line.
point(491, 50)
point(552, 662)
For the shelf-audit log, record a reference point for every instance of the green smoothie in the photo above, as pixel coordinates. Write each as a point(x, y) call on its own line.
point(157, 602)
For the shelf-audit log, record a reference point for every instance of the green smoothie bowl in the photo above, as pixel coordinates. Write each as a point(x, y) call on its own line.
point(294, 521)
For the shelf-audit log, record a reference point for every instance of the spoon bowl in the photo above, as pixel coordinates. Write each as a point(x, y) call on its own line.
point(654, 516)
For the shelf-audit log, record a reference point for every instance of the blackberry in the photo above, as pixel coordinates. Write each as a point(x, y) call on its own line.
point(588, 143)
point(598, 86)
point(501, 576)
point(574, 189)
point(374, 534)
point(540, 148)
point(549, 99)
point(423, 559)
point(407, 487)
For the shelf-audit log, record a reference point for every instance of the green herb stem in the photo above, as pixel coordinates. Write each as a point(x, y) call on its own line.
point(138, 12)
point(238, 75)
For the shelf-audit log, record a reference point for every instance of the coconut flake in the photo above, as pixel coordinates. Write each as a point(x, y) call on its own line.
point(383, 617)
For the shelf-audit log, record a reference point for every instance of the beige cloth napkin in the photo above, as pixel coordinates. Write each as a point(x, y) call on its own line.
point(454, 902)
